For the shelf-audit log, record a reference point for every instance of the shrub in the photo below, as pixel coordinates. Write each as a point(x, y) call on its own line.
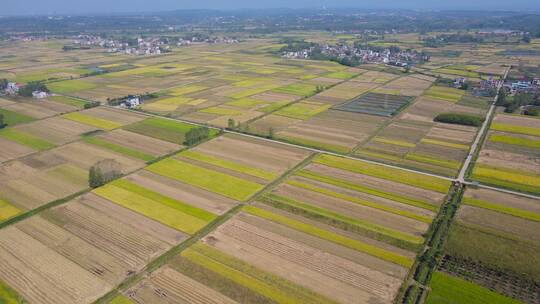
point(196, 135)
point(91, 104)
point(460, 119)
point(103, 172)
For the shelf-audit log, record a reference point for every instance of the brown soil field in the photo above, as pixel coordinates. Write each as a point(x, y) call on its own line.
point(252, 152)
point(56, 130)
point(348, 90)
point(11, 150)
point(493, 68)
point(145, 144)
point(42, 275)
point(425, 109)
point(505, 199)
point(167, 285)
point(57, 107)
point(329, 275)
point(510, 160)
point(275, 97)
point(86, 155)
point(380, 184)
point(327, 80)
point(32, 110)
point(222, 121)
point(366, 197)
point(277, 122)
point(452, 135)
point(517, 120)
point(409, 86)
point(353, 210)
point(5, 102)
point(441, 152)
point(403, 131)
point(374, 77)
point(134, 243)
point(515, 226)
point(199, 117)
point(209, 201)
point(119, 116)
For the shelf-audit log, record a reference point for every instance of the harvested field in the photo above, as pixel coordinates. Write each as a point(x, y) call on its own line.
point(57, 130)
point(11, 150)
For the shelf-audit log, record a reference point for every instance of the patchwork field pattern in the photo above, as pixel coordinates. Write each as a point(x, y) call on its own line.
point(376, 104)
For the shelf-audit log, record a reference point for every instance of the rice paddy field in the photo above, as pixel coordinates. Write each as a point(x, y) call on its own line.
point(493, 245)
point(330, 232)
point(237, 218)
point(509, 156)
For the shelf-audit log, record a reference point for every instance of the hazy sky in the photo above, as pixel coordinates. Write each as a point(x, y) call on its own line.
point(43, 7)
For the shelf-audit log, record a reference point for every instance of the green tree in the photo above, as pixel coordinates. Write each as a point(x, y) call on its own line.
point(271, 133)
point(3, 84)
point(103, 172)
point(196, 135)
point(2, 124)
point(231, 124)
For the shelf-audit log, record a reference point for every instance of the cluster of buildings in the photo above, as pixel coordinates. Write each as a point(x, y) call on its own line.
point(209, 40)
point(524, 85)
point(139, 46)
point(391, 56)
point(131, 102)
point(13, 88)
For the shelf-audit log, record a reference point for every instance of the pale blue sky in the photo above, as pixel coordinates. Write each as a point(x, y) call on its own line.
point(18, 7)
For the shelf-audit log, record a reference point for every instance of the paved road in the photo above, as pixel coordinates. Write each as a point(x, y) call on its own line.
point(474, 146)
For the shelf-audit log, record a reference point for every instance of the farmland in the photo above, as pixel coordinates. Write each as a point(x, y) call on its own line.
point(297, 193)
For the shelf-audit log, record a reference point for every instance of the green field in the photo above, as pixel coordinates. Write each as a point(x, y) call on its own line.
point(228, 165)
point(26, 139)
point(396, 175)
point(120, 299)
point(92, 121)
point(168, 211)
point(330, 236)
point(447, 289)
point(221, 111)
point(492, 249)
point(445, 163)
point(515, 129)
point(119, 149)
point(164, 129)
point(341, 75)
point(12, 118)
point(299, 89)
point(458, 72)
point(316, 144)
point(9, 296)
point(7, 211)
point(262, 282)
point(68, 100)
point(528, 215)
point(445, 93)
point(303, 110)
point(361, 188)
point(226, 185)
point(70, 86)
point(515, 141)
point(513, 179)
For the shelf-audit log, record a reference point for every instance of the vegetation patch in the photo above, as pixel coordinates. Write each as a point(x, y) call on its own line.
point(444, 143)
point(446, 289)
point(164, 129)
point(445, 163)
point(460, 119)
point(226, 185)
point(341, 75)
point(11, 118)
point(68, 101)
point(299, 89)
point(70, 86)
point(228, 165)
point(330, 236)
point(381, 104)
point(92, 121)
point(394, 142)
point(445, 93)
point(7, 211)
point(26, 139)
point(303, 110)
point(392, 174)
point(9, 296)
point(221, 111)
point(117, 148)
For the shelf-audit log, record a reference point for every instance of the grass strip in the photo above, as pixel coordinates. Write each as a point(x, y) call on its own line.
point(121, 299)
point(117, 148)
point(391, 236)
point(360, 201)
point(330, 236)
point(26, 139)
point(92, 121)
point(228, 165)
point(515, 141)
point(515, 129)
point(391, 174)
point(226, 185)
point(446, 289)
point(528, 215)
point(262, 282)
point(160, 211)
point(507, 179)
point(351, 186)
